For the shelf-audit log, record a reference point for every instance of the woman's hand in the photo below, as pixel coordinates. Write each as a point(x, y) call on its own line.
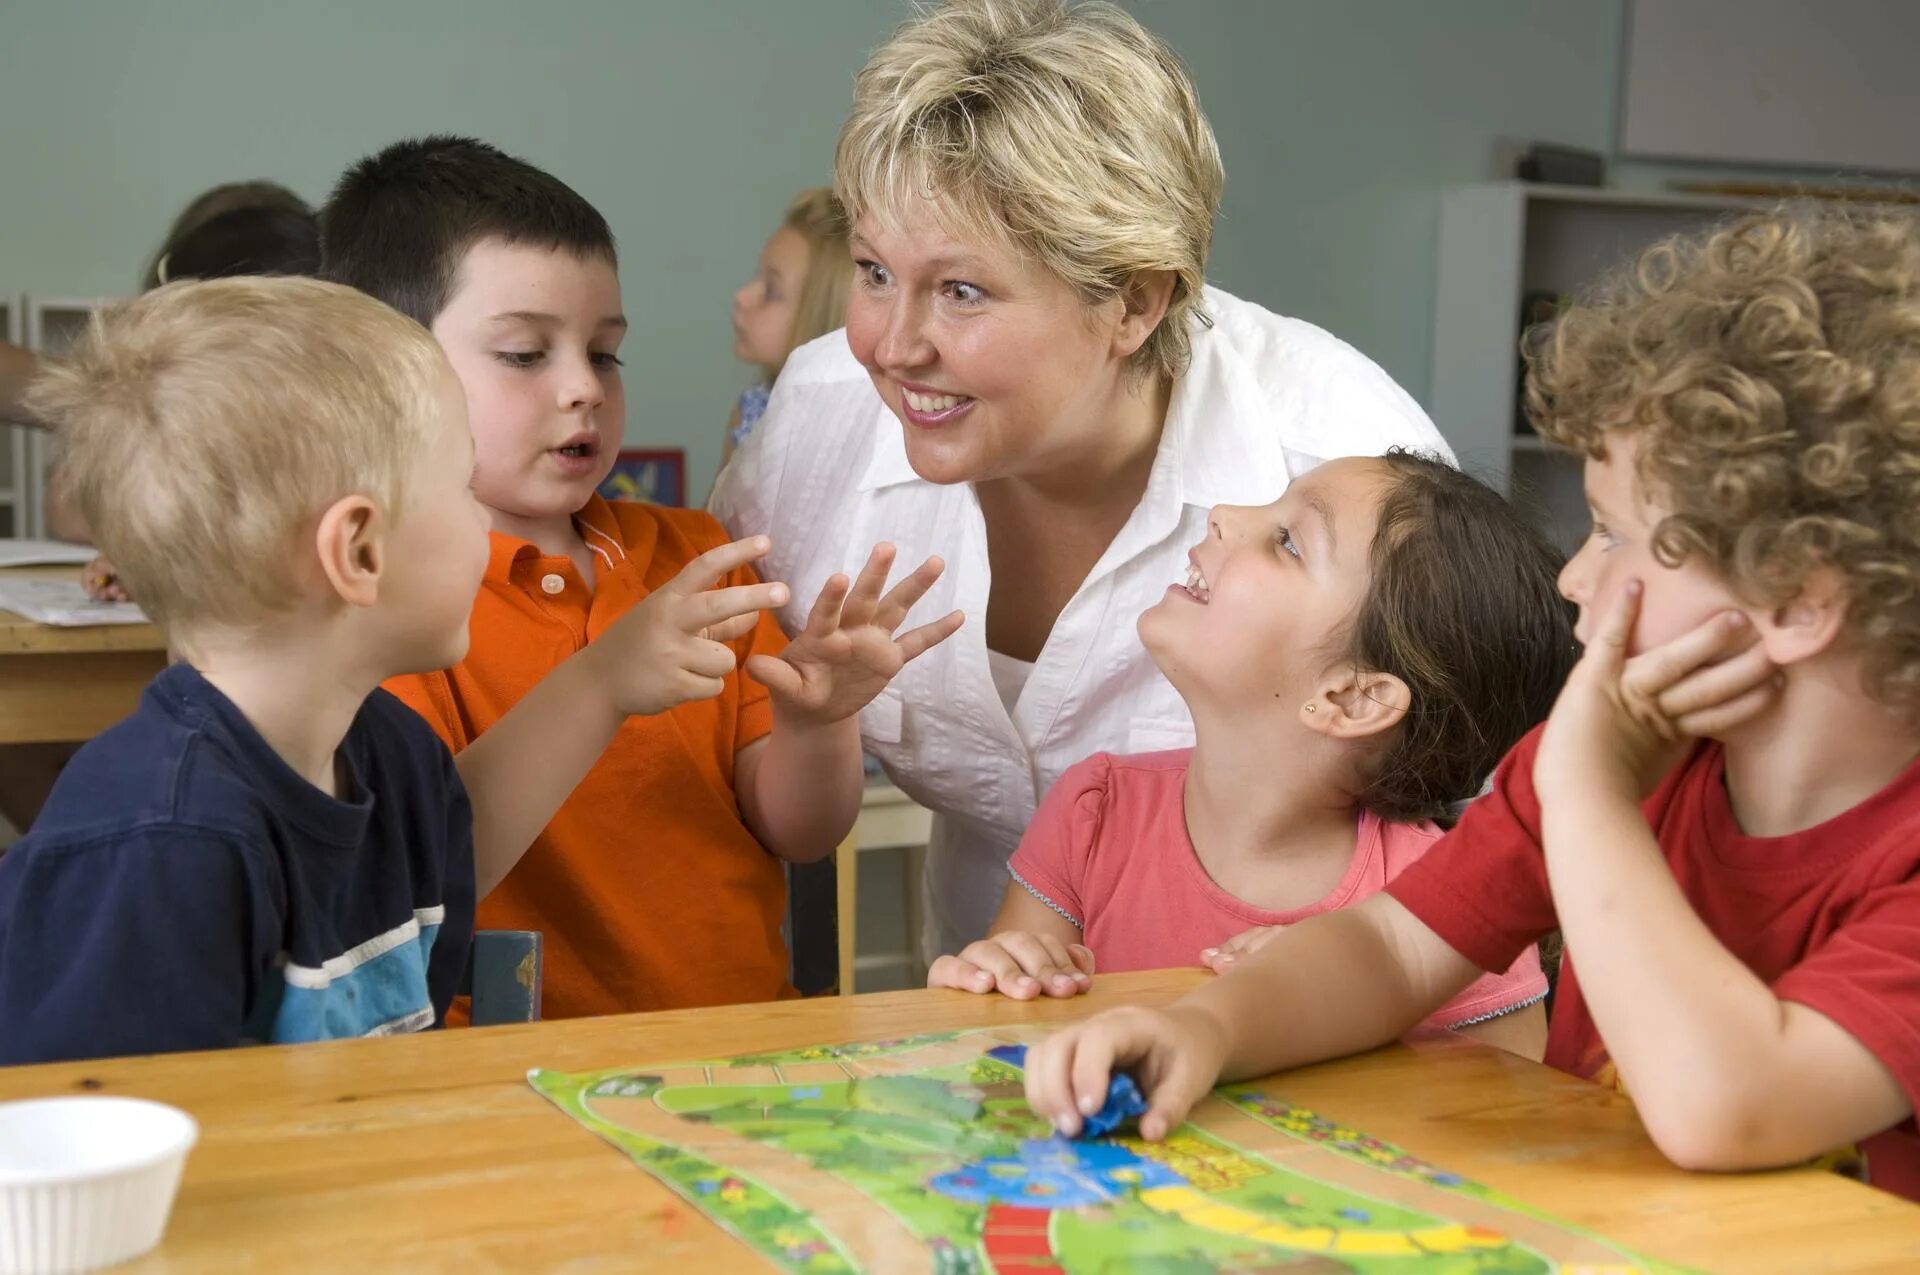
point(1019, 964)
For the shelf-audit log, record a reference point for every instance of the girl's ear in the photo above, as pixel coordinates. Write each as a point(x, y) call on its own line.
point(1351, 704)
point(1810, 623)
point(1145, 300)
point(351, 544)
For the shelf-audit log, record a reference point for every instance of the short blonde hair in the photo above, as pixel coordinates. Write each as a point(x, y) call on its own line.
point(816, 216)
point(1770, 371)
point(204, 427)
point(1072, 134)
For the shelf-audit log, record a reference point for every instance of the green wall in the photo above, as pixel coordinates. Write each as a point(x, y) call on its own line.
point(690, 123)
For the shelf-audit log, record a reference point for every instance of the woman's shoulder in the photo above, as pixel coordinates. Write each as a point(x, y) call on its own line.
point(1306, 373)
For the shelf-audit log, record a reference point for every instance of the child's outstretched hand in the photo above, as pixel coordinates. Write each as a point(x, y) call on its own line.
point(849, 652)
point(1623, 721)
point(1244, 944)
point(1017, 963)
point(1176, 1054)
point(102, 582)
point(670, 648)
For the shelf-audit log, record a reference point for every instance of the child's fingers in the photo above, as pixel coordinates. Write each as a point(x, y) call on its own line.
point(1714, 684)
point(894, 607)
point(959, 974)
point(1043, 960)
point(1719, 718)
point(916, 642)
point(774, 673)
point(712, 606)
point(1172, 1096)
point(694, 687)
point(708, 659)
point(707, 570)
point(1607, 648)
point(727, 630)
point(1009, 975)
point(865, 595)
point(1652, 672)
point(1050, 1069)
point(824, 618)
point(1082, 957)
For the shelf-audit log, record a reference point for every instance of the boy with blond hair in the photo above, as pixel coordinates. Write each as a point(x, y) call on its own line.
point(271, 848)
point(1722, 813)
point(660, 882)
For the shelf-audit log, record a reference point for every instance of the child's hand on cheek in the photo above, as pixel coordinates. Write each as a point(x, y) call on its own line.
point(849, 652)
point(1622, 722)
point(1016, 964)
point(670, 648)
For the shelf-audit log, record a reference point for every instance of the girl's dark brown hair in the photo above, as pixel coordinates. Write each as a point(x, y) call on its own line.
point(1463, 607)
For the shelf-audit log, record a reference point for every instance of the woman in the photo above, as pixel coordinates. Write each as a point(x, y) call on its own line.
point(1035, 384)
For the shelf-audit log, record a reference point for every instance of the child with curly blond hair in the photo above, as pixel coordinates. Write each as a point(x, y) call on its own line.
point(1722, 813)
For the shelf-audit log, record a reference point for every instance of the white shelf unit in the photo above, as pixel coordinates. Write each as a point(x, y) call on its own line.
point(1500, 243)
point(45, 325)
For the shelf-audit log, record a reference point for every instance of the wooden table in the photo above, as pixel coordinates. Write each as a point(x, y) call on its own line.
point(67, 685)
point(431, 1153)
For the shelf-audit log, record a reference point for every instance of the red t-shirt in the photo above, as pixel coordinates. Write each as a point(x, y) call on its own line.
point(1108, 849)
point(1829, 917)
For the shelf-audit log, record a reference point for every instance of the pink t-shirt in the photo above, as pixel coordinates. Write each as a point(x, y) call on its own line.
point(1108, 849)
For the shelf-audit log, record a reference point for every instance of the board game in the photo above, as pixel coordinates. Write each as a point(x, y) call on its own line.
point(920, 1154)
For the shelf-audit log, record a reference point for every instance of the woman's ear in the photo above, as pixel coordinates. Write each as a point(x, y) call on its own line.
point(1350, 704)
point(350, 544)
point(1144, 303)
point(1810, 623)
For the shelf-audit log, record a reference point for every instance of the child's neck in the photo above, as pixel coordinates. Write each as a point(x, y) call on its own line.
point(554, 537)
point(1821, 750)
point(1266, 821)
point(297, 689)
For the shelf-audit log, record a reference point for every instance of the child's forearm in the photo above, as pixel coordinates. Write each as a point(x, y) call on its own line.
point(519, 772)
point(1335, 985)
point(799, 786)
point(1724, 1074)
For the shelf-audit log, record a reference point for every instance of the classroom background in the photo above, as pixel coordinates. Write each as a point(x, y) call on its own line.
point(1341, 123)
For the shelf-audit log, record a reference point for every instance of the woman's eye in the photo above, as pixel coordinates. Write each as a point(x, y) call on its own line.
point(519, 358)
point(873, 274)
point(965, 293)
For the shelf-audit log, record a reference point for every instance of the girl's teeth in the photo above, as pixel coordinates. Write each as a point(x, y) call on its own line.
point(932, 402)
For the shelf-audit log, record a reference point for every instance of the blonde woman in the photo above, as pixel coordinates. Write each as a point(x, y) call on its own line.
point(798, 292)
point(1036, 385)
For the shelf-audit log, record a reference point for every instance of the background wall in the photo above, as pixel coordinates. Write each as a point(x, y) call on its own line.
point(691, 122)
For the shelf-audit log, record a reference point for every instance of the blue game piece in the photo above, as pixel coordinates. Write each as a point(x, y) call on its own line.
point(1124, 1100)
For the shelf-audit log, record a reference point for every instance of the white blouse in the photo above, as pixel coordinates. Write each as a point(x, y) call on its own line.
point(826, 475)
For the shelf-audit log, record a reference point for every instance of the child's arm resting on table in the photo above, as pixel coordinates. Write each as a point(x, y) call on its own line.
point(799, 786)
point(667, 650)
point(1030, 950)
point(1334, 985)
point(1725, 1073)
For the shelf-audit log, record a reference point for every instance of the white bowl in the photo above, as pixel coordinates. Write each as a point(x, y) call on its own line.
point(87, 1181)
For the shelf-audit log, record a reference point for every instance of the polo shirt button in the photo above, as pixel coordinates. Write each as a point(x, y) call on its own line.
point(553, 582)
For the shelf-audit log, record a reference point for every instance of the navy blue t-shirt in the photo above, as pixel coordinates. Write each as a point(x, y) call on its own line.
point(185, 888)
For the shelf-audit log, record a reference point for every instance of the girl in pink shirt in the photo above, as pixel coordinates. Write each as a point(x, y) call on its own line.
point(1356, 656)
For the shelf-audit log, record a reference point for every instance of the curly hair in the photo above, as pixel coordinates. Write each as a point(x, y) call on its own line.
point(1769, 370)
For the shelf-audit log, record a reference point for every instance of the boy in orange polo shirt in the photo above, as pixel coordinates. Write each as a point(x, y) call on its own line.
point(659, 883)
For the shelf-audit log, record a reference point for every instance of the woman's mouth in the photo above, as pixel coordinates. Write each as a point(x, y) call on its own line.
point(930, 409)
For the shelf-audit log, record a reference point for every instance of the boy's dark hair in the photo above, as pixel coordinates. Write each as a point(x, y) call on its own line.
point(247, 241)
point(399, 223)
point(1463, 606)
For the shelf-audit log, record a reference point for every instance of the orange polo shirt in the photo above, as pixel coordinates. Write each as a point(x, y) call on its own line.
point(650, 890)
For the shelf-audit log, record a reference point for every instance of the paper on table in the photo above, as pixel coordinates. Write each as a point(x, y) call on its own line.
point(44, 553)
point(63, 603)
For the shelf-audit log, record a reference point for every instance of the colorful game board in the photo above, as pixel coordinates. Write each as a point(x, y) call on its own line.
point(921, 1155)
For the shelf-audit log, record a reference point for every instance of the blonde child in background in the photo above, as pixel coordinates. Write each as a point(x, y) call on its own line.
point(1722, 813)
point(659, 884)
point(798, 292)
point(1357, 656)
point(272, 849)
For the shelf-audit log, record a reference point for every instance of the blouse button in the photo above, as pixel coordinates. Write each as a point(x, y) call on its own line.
point(553, 582)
